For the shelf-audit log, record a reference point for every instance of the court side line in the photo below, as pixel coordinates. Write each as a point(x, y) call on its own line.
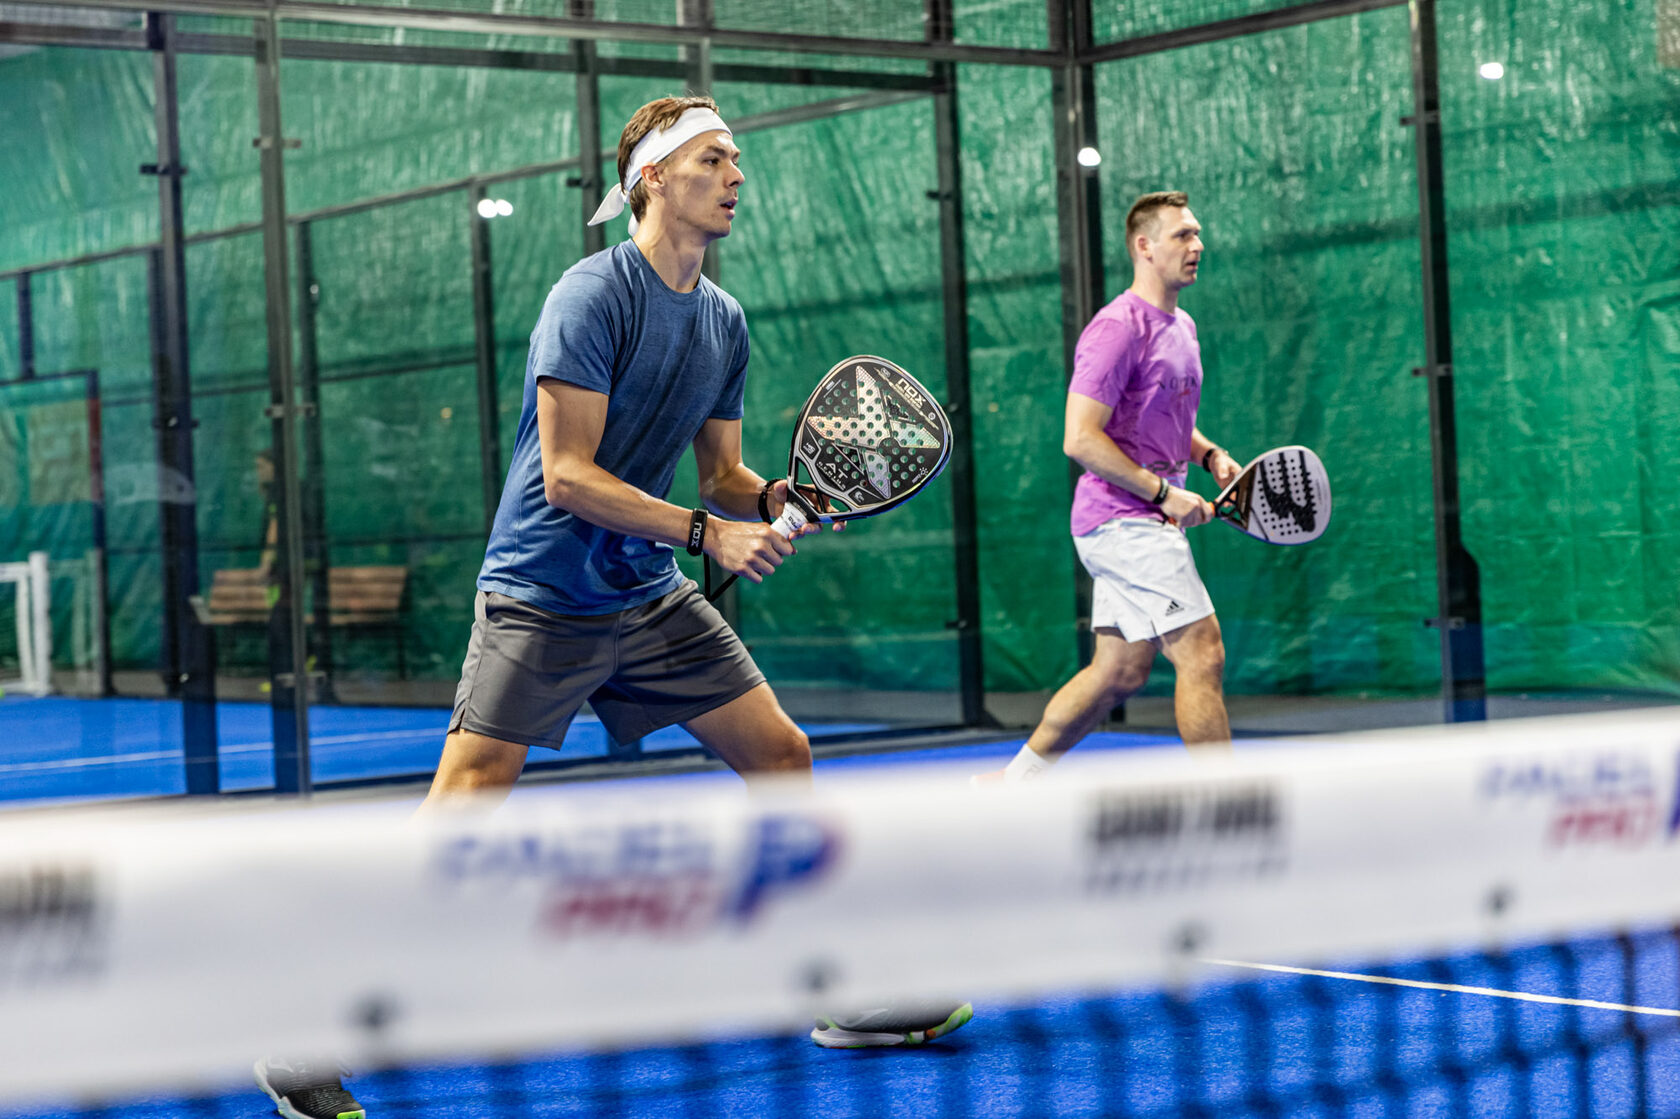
point(88, 763)
point(227, 748)
point(1494, 992)
point(353, 739)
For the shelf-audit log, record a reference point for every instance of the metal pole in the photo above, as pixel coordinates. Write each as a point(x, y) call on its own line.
point(699, 14)
point(401, 54)
point(1458, 579)
point(484, 348)
point(590, 187)
point(697, 56)
point(1078, 223)
point(701, 74)
point(26, 327)
point(588, 181)
point(99, 568)
point(288, 638)
point(953, 267)
point(189, 649)
point(315, 557)
point(586, 29)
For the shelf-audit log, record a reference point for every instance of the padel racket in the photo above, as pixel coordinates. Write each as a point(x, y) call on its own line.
point(1282, 497)
point(870, 438)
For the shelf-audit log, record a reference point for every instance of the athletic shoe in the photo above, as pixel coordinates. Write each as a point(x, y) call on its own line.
point(305, 1090)
point(907, 1025)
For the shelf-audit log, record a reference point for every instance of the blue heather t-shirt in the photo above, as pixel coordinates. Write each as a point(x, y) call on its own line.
point(668, 361)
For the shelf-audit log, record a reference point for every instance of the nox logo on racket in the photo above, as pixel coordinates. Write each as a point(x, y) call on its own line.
point(870, 438)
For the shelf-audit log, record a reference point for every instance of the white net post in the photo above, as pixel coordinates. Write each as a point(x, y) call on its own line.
point(33, 597)
point(18, 574)
point(40, 593)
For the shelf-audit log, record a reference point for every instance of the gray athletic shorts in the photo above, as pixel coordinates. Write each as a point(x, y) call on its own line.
point(529, 670)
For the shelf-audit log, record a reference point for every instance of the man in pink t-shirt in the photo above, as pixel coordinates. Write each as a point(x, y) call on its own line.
point(1131, 423)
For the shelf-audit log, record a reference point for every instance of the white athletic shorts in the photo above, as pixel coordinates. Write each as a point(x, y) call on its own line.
point(1144, 578)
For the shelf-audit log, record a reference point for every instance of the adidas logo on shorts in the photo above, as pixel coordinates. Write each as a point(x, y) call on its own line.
point(1174, 607)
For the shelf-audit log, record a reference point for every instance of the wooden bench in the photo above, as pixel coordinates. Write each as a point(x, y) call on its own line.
point(362, 597)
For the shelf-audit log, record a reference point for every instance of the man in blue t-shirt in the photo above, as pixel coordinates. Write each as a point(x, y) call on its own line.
point(636, 357)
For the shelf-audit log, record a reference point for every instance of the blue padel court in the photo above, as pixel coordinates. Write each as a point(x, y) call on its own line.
point(60, 748)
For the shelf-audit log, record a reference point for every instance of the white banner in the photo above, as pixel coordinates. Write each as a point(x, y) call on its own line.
point(147, 948)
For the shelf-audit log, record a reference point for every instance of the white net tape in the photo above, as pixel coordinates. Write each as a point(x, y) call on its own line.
point(176, 945)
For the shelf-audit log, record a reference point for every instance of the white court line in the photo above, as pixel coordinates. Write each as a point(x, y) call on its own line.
point(87, 763)
point(1521, 996)
point(237, 748)
point(226, 748)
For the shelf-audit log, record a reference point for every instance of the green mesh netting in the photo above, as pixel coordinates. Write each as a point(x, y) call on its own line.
point(1565, 254)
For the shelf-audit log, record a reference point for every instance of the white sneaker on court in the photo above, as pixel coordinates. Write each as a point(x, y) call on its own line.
point(900, 1025)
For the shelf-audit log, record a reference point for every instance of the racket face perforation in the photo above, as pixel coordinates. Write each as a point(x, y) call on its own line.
point(869, 437)
point(1282, 497)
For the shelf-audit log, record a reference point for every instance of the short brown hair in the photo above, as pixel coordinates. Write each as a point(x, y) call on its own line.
point(1144, 216)
point(662, 113)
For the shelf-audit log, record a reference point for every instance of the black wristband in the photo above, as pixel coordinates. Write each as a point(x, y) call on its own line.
point(1207, 457)
point(764, 502)
point(1160, 494)
point(697, 532)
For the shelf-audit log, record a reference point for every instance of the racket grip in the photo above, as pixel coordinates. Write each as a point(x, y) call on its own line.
point(791, 521)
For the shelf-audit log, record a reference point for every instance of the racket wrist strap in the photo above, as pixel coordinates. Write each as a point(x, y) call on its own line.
point(764, 501)
point(1160, 494)
point(1207, 458)
point(697, 532)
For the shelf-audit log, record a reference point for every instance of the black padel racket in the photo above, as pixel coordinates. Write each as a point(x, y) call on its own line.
point(1282, 497)
point(870, 438)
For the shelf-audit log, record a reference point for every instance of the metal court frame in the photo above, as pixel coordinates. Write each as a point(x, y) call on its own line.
point(1071, 58)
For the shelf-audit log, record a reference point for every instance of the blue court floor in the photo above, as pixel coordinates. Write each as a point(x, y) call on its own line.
point(58, 749)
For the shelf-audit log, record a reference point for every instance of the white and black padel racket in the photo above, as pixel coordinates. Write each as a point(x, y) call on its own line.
point(870, 438)
point(1282, 497)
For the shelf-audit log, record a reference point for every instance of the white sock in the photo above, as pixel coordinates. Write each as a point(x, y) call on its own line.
point(1027, 765)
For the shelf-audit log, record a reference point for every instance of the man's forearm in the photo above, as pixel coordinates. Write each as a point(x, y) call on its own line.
point(605, 500)
point(1100, 455)
point(734, 494)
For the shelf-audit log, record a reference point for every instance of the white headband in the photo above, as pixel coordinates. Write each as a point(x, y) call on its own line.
point(653, 148)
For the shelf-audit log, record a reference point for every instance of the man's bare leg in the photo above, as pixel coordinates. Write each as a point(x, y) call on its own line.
point(751, 733)
point(474, 768)
point(1118, 669)
point(754, 736)
point(1197, 651)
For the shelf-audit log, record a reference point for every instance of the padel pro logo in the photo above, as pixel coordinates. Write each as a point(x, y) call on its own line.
point(1603, 798)
point(666, 879)
point(1170, 839)
point(53, 920)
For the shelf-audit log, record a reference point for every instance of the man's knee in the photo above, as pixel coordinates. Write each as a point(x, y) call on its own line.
point(472, 763)
point(1122, 679)
point(1203, 658)
point(789, 752)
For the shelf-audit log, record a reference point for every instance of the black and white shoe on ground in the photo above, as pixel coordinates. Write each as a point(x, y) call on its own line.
point(891, 1025)
point(307, 1089)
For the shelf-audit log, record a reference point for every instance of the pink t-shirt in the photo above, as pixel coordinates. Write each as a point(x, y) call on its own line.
point(1147, 366)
